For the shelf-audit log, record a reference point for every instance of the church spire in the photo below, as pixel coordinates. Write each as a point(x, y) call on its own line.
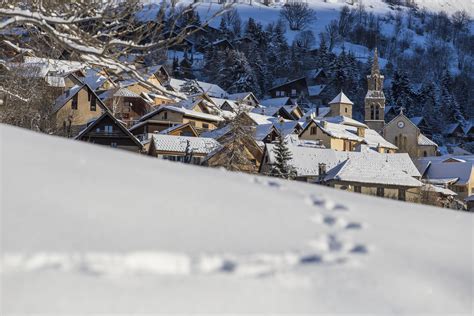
point(375, 64)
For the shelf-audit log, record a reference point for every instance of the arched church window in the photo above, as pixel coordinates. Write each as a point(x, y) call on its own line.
point(377, 112)
point(372, 112)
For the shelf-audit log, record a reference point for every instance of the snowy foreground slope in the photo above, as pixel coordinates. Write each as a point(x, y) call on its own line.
point(92, 230)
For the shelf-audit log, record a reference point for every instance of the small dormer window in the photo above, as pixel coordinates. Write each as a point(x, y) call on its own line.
point(108, 129)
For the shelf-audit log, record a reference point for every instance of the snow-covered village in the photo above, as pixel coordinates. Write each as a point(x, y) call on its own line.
point(235, 157)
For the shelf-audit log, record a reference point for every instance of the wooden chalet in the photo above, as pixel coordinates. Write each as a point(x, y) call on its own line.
point(75, 108)
point(108, 131)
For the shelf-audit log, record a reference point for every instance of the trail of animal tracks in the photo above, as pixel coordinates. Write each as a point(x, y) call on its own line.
point(90, 230)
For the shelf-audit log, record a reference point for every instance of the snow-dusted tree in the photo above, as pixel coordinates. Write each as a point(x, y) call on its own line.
point(26, 100)
point(235, 141)
point(236, 74)
point(282, 167)
point(402, 94)
point(298, 14)
point(100, 33)
point(449, 106)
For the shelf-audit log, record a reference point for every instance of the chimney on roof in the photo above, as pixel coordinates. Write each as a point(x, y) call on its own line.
point(322, 171)
point(325, 124)
point(380, 149)
point(361, 131)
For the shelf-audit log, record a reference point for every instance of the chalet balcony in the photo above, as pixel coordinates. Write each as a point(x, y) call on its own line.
point(106, 134)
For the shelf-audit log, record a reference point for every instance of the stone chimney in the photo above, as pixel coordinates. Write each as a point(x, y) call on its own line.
point(325, 124)
point(361, 132)
point(322, 171)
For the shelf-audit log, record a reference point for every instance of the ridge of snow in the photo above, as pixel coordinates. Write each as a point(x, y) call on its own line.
point(94, 230)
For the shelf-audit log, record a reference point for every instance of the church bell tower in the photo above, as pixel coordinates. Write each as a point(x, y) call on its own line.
point(375, 98)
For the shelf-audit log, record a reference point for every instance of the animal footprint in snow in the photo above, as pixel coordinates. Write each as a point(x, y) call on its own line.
point(360, 249)
point(354, 226)
point(327, 204)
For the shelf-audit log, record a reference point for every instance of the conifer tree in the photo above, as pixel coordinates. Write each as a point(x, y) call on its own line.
point(283, 168)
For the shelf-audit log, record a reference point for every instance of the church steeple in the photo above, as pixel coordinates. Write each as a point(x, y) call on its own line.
point(375, 98)
point(375, 64)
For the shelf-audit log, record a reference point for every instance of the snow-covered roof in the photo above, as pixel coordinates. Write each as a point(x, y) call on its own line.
point(94, 79)
point(261, 119)
point(313, 73)
point(425, 141)
point(316, 90)
point(370, 171)
point(210, 89)
point(450, 128)
point(177, 144)
point(56, 65)
point(306, 160)
point(437, 189)
point(66, 96)
point(323, 111)
point(341, 98)
point(417, 120)
point(239, 96)
point(371, 138)
point(439, 170)
point(275, 102)
point(184, 111)
point(263, 130)
point(344, 120)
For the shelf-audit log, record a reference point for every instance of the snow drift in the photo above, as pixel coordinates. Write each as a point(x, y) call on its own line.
point(89, 230)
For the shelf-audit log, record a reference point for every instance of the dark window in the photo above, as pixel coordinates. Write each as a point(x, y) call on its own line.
point(357, 189)
point(74, 102)
point(402, 195)
point(425, 154)
point(314, 130)
point(345, 109)
point(165, 115)
point(89, 94)
point(204, 125)
point(372, 110)
point(380, 192)
point(93, 103)
point(114, 145)
point(377, 113)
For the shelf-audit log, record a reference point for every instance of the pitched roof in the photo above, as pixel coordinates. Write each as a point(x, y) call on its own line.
point(275, 102)
point(344, 120)
point(363, 169)
point(440, 170)
point(371, 138)
point(316, 89)
point(425, 141)
point(117, 122)
point(184, 111)
point(170, 143)
point(306, 160)
point(341, 98)
point(177, 127)
point(417, 120)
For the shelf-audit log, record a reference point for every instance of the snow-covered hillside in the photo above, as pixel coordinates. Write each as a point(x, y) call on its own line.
point(92, 230)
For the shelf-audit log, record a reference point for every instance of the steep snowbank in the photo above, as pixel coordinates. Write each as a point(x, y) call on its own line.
point(87, 229)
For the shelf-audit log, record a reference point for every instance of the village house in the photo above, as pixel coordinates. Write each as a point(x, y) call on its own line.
point(168, 116)
point(453, 172)
point(108, 131)
point(341, 105)
point(75, 108)
point(308, 87)
point(245, 98)
point(345, 135)
point(368, 172)
point(402, 132)
point(437, 195)
point(125, 104)
point(181, 148)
